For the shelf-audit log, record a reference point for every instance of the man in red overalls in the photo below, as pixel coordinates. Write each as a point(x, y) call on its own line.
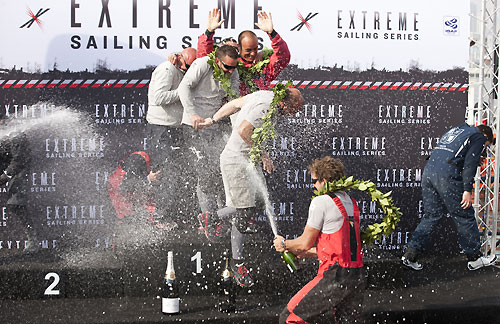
point(129, 191)
point(248, 49)
point(332, 234)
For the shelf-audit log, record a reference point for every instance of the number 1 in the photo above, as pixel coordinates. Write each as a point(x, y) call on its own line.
point(197, 257)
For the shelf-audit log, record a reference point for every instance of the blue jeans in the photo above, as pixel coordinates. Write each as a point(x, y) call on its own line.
point(442, 194)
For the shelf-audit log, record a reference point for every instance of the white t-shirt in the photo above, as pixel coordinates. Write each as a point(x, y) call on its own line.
point(255, 106)
point(324, 215)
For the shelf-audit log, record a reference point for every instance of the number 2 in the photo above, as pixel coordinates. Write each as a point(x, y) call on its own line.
point(50, 289)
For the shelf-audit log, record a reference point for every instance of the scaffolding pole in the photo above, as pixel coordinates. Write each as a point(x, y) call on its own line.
point(484, 109)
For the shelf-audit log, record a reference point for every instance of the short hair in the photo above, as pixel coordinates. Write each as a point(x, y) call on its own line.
point(327, 168)
point(226, 50)
point(288, 96)
point(244, 34)
point(228, 39)
point(486, 130)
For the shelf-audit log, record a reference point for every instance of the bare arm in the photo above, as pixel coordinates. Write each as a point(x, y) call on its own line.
point(311, 253)
point(228, 109)
point(301, 244)
point(245, 130)
point(206, 40)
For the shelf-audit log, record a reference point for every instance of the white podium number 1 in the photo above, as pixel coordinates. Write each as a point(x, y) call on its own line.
point(50, 289)
point(197, 258)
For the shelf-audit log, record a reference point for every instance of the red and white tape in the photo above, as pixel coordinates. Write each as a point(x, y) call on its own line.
point(376, 85)
point(324, 84)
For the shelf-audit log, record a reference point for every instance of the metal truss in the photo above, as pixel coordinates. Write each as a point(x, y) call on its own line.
point(483, 107)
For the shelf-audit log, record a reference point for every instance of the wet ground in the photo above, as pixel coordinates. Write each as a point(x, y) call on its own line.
point(122, 287)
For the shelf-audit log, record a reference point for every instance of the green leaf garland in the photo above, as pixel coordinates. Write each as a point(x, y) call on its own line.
point(261, 134)
point(248, 74)
point(222, 77)
point(392, 214)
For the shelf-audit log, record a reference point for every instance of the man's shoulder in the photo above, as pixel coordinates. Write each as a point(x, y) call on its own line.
point(265, 96)
point(321, 200)
point(342, 195)
point(201, 61)
point(259, 100)
point(165, 66)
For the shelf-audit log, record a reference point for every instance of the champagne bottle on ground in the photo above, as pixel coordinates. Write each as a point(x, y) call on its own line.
point(291, 261)
point(170, 292)
point(226, 292)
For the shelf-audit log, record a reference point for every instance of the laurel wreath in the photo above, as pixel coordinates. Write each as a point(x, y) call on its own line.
point(261, 134)
point(392, 214)
point(222, 77)
point(248, 74)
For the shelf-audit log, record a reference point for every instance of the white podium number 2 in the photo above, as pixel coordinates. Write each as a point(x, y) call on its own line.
point(197, 258)
point(50, 289)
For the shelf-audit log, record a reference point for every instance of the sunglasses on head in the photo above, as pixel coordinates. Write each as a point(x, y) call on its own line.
point(228, 67)
point(184, 60)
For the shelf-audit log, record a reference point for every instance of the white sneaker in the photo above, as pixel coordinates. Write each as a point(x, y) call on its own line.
point(481, 262)
point(412, 265)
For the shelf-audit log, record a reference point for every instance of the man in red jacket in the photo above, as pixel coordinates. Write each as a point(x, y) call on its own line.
point(332, 235)
point(248, 48)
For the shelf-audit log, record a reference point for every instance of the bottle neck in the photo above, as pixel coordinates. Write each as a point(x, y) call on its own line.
point(170, 273)
point(226, 273)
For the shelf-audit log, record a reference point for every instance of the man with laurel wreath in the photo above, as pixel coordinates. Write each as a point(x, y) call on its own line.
point(331, 234)
point(202, 91)
point(241, 178)
point(248, 49)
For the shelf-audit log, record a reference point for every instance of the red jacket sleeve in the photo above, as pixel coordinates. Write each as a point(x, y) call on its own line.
point(279, 60)
point(205, 45)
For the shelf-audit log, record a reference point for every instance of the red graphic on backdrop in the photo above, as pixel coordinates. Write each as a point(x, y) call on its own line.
point(35, 18)
point(304, 21)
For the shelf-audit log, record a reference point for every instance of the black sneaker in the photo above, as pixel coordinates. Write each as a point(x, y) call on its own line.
point(414, 265)
point(241, 274)
point(409, 260)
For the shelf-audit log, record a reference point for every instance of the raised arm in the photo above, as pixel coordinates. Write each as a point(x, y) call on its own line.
point(206, 40)
point(160, 90)
point(281, 54)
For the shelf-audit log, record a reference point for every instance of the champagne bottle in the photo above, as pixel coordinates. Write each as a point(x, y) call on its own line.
point(290, 260)
point(170, 293)
point(226, 292)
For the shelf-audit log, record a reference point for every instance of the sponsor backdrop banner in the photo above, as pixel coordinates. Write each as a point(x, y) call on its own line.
point(381, 81)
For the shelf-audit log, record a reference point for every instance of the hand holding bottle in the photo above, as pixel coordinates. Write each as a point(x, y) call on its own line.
point(278, 243)
point(288, 257)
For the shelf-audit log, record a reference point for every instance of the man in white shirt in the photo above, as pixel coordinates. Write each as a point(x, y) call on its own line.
point(244, 183)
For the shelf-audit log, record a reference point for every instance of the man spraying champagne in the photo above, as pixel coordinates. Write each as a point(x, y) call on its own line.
point(332, 235)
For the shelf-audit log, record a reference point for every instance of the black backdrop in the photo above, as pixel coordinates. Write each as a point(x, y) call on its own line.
point(380, 133)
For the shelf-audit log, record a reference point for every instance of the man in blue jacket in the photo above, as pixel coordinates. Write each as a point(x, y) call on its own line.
point(447, 188)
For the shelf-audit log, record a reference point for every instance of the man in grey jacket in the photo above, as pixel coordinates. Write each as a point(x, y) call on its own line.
point(164, 135)
point(201, 96)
